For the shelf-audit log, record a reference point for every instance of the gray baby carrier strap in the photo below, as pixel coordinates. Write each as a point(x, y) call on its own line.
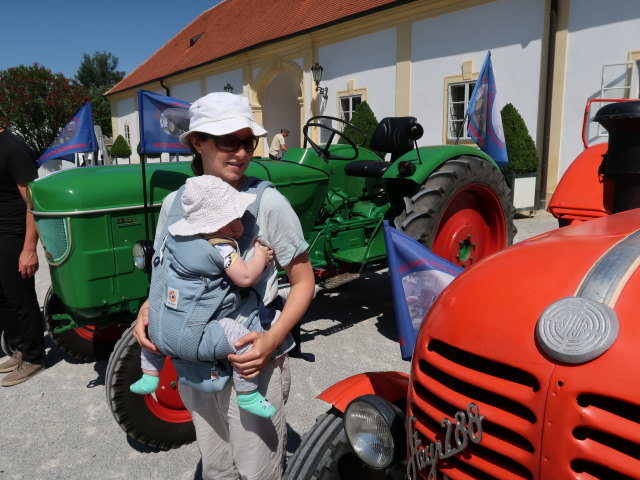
point(250, 218)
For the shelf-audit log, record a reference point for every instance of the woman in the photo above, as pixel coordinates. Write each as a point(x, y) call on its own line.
point(223, 135)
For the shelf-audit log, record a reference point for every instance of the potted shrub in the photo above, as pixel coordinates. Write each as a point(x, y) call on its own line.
point(522, 169)
point(120, 149)
point(149, 157)
point(363, 118)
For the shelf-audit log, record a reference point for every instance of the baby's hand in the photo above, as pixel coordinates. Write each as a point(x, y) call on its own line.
point(263, 250)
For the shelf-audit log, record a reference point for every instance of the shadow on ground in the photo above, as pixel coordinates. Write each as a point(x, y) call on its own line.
point(368, 296)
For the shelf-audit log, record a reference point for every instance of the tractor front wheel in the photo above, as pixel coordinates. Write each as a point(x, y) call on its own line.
point(461, 212)
point(87, 343)
point(325, 454)
point(159, 420)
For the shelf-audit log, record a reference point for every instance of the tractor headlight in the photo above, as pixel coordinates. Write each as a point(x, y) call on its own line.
point(375, 430)
point(142, 253)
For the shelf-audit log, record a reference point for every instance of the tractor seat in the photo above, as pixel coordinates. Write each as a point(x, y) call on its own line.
point(394, 135)
point(366, 168)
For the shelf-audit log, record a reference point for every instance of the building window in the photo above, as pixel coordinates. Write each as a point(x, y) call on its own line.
point(127, 134)
point(458, 95)
point(619, 81)
point(348, 105)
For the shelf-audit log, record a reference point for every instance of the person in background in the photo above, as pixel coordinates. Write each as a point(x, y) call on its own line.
point(278, 147)
point(19, 310)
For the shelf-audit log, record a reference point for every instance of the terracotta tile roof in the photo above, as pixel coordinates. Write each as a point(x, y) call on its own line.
point(236, 25)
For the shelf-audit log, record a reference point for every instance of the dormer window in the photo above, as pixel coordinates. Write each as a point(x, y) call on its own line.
point(193, 40)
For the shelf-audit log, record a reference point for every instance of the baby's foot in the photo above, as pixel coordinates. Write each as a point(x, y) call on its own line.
point(255, 403)
point(147, 384)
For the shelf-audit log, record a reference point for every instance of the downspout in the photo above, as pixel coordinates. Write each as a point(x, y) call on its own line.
point(551, 48)
point(166, 89)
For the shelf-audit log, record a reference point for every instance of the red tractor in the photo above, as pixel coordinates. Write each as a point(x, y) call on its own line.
point(525, 366)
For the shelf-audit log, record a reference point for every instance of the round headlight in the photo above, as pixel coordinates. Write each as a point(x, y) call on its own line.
point(375, 430)
point(142, 253)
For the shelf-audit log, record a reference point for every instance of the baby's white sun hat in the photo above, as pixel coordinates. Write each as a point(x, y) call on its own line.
point(209, 204)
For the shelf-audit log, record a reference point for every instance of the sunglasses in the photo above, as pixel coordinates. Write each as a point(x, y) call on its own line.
point(232, 143)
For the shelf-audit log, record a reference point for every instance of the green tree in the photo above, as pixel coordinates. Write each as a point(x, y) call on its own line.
point(120, 148)
point(99, 69)
point(365, 120)
point(35, 103)
point(521, 149)
point(99, 72)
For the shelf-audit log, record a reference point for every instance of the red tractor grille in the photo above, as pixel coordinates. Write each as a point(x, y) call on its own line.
point(609, 437)
point(446, 380)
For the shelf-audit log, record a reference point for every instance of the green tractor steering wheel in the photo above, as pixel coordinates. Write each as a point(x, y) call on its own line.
point(323, 151)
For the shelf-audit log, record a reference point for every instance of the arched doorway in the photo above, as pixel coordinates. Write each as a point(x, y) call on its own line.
point(281, 107)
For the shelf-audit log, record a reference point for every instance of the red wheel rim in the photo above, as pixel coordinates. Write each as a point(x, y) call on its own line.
point(471, 227)
point(165, 403)
point(92, 333)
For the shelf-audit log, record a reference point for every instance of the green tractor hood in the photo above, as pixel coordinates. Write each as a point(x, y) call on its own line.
point(90, 218)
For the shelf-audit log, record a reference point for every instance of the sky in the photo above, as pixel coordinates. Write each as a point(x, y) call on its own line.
point(56, 33)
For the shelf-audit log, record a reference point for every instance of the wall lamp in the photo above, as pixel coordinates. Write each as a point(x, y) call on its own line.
point(228, 88)
point(316, 71)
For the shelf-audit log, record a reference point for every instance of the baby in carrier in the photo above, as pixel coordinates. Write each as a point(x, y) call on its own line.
point(196, 310)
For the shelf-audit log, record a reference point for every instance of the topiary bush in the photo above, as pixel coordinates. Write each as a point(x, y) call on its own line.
point(148, 155)
point(120, 148)
point(365, 120)
point(521, 149)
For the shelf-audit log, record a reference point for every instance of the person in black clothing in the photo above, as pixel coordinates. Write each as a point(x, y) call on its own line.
point(19, 311)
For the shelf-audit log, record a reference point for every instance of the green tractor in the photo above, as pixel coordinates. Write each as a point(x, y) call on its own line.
point(92, 221)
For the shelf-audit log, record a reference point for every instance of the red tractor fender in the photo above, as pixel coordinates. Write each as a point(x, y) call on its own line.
point(582, 193)
point(391, 386)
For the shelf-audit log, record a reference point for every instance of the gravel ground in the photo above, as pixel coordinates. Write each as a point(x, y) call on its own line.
point(58, 425)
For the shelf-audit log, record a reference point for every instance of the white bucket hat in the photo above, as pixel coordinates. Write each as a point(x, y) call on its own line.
point(220, 113)
point(209, 204)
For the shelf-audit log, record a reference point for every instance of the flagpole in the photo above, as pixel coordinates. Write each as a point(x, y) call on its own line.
point(459, 134)
point(143, 163)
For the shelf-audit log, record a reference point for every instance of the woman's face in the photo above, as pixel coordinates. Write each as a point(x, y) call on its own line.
point(228, 166)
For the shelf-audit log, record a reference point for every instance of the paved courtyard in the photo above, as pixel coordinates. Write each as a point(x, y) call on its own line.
point(58, 425)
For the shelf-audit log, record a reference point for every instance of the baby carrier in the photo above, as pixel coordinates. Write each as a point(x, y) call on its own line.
point(184, 295)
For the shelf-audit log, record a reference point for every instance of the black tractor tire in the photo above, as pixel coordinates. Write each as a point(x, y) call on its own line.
point(86, 344)
point(462, 211)
point(325, 454)
point(142, 417)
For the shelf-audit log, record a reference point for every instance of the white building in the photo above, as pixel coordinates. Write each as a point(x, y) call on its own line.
point(403, 57)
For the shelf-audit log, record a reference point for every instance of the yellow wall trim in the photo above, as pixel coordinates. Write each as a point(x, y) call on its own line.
point(558, 96)
point(403, 69)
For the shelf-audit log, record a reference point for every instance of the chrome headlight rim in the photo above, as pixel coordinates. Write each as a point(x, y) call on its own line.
point(142, 253)
point(385, 415)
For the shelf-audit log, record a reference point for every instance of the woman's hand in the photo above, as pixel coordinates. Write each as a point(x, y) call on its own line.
point(140, 330)
point(250, 363)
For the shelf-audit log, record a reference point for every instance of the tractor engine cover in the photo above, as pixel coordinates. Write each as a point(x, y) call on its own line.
point(532, 354)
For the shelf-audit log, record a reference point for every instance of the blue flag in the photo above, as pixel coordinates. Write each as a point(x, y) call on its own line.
point(417, 277)
point(162, 120)
point(76, 136)
point(483, 112)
